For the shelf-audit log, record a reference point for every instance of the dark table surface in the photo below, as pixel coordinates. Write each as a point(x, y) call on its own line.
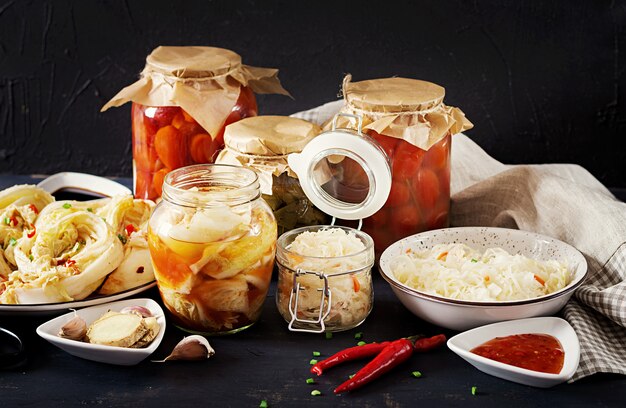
point(267, 362)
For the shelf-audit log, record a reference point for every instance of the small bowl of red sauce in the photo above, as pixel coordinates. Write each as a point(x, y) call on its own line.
point(540, 352)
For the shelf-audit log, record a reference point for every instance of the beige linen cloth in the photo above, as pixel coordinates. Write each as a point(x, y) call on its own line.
point(563, 201)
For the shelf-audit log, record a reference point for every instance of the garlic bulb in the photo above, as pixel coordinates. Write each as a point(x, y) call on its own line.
point(139, 310)
point(74, 329)
point(190, 348)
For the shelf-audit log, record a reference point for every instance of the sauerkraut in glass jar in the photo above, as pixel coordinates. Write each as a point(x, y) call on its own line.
point(409, 121)
point(324, 278)
point(263, 143)
point(181, 104)
point(212, 241)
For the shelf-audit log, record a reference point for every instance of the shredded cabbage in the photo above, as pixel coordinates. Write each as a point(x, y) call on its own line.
point(457, 271)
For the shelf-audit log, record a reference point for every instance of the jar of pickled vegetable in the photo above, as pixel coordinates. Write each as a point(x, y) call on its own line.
point(181, 104)
point(409, 121)
point(263, 143)
point(212, 241)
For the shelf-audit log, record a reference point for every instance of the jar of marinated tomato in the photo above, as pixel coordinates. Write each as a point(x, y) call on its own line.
point(409, 121)
point(212, 241)
point(263, 143)
point(181, 104)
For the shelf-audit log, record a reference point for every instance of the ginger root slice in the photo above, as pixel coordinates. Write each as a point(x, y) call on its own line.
point(117, 329)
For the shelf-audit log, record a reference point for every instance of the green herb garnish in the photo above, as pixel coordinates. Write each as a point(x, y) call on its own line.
point(316, 393)
point(13, 241)
point(122, 238)
point(361, 343)
point(351, 375)
point(329, 335)
point(416, 374)
point(358, 336)
point(313, 361)
point(89, 209)
point(474, 390)
point(316, 354)
point(310, 381)
point(474, 260)
point(67, 206)
point(7, 220)
point(31, 257)
point(263, 404)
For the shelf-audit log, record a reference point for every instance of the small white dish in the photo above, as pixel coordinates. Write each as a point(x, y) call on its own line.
point(462, 343)
point(97, 352)
point(83, 183)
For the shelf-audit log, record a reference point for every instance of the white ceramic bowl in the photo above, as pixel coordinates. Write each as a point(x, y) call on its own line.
point(97, 352)
point(462, 343)
point(463, 314)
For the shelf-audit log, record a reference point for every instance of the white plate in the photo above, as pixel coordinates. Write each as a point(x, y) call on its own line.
point(462, 343)
point(49, 308)
point(97, 352)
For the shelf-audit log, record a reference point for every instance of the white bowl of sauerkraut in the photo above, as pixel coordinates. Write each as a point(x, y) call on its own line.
point(461, 278)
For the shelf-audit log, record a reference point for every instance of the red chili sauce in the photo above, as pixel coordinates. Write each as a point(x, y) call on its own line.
point(537, 352)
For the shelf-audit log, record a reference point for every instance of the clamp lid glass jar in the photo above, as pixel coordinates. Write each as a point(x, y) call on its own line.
point(212, 240)
point(324, 272)
point(263, 143)
point(181, 103)
point(409, 120)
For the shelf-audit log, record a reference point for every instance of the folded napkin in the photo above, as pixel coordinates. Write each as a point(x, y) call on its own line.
point(563, 201)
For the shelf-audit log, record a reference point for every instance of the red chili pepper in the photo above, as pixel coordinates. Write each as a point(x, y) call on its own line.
point(349, 354)
point(32, 232)
point(70, 262)
point(13, 221)
point(130, 228)
point(392, 355)
point(33, 208)
point(429, 343)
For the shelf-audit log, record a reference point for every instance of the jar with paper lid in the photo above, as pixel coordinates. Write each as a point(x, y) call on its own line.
point(410, 122)
point(181, 104)
point(325, 272)
point(263, 143)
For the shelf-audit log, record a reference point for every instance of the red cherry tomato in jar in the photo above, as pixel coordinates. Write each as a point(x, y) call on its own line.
point(143, 185)
point(426, 188)
point(399, 194)
point(388, 143)
point(201, 148)
point(157, 180)
point(406, 161)
point(405, 220)
point(438, 156)
point(172, 147)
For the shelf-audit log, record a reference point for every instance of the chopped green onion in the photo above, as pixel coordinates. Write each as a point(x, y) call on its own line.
point(329, 335)
point(7, 220)
point(313, 361)
point(67, 205)
point(358, 336)
point(351, 375)
point(31, 257)
point(416, 374)
point(361, 343)
point(89, 209)
point(13, 241)
point(316, 393)
point(122, 238)
point(310, 381)
point(263, 404)
point(316, 354)
point(474, 260)
point(474, 390)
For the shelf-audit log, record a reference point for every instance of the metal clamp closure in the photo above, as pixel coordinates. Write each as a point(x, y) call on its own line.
point(325, 303)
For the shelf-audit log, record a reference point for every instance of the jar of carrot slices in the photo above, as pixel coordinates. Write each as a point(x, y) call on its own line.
point(181, 104)
point(212, 241)
point(409, 121)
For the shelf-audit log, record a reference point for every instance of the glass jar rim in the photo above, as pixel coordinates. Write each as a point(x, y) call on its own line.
point(241, 187)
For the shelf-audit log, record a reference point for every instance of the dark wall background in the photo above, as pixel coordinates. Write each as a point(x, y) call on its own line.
point(543, 81)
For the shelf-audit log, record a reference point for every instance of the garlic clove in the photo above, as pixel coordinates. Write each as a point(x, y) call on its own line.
point(74, 329)
point(190, 348)
point(139, 310)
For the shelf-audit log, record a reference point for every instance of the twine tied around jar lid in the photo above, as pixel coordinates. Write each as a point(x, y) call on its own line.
point(204, 81)
point(403, 108)
point(264, 143)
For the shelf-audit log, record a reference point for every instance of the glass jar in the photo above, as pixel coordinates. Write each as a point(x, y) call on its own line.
point(167, 138)
point(317, 293)
point(212, 240)
point(181, 104)
point(409, 121)
point(263, 143)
